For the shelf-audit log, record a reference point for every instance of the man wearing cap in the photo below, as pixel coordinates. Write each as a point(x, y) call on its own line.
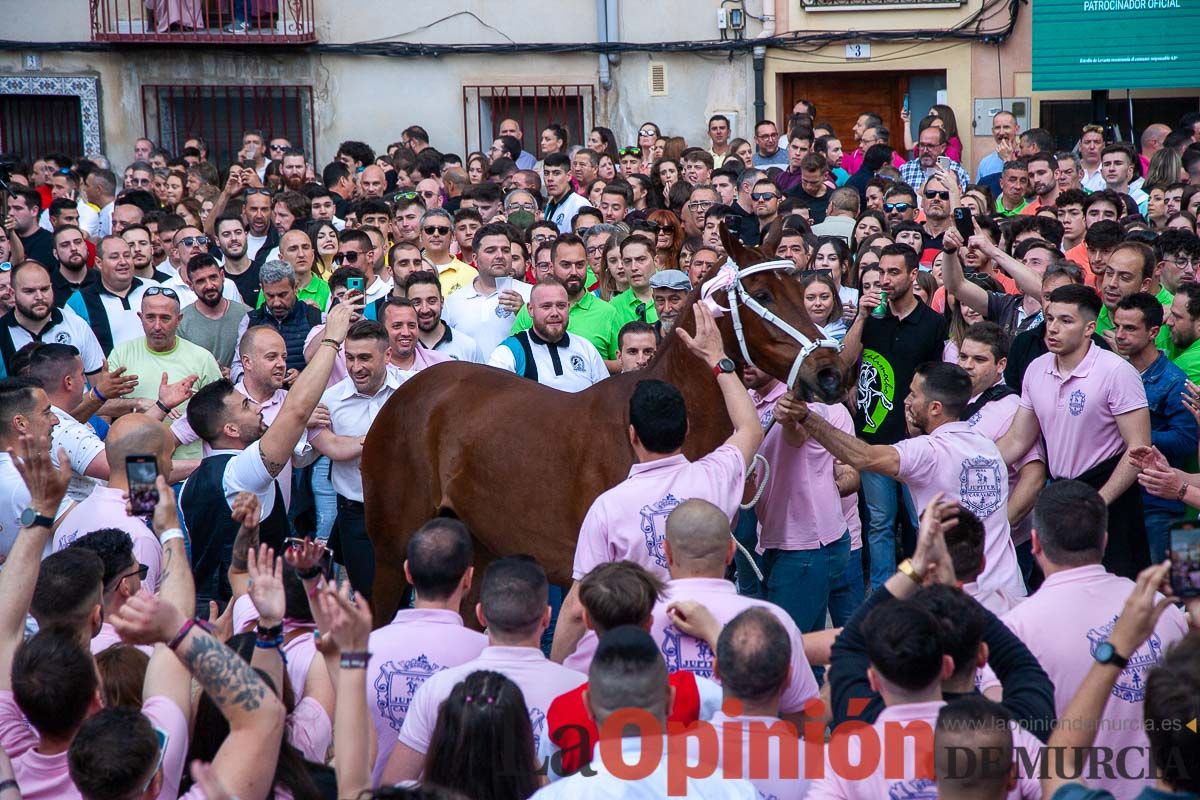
point(670, 289)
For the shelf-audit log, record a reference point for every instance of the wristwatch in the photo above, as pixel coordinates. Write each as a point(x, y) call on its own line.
point(725, 365)
point(906, 567)
point(1107, 654)
point(30, 518)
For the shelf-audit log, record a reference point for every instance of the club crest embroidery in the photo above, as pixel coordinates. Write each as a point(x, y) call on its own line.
point(537, 719)
point(1131, 684)
point(654, 523)
point(396, 685)
point(974, 420)
point(916, 789)
point(684, 652)
point(980, 485)
point(577, 364)
point(1076, 402)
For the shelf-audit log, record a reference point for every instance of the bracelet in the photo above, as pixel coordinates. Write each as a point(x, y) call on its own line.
point(1183, 490)
point(102, 399)
point(170, 534)
point(355, 660)
point(269, 633)
point(163, 407)
point(187, 626)
point(5, 785)
point(334, 343)
point(309, 574)
point(269, 644)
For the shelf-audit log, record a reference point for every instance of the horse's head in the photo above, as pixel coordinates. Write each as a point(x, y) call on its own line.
point(778, 293)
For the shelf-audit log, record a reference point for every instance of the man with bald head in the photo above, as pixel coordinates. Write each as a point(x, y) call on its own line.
point(372, 182)
point(1152, 141)
point(510, 127)
point(296, 249)
point(162, 353)
point(105, 507)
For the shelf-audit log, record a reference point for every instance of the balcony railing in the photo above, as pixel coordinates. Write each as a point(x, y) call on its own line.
point(242, 22)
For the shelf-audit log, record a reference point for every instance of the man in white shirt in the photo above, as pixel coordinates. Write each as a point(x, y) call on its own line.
point(484, 309)
point(110, 305)
point(34, 318)
point(59, 369)
point(24, 412)
point(424, 291)
point(353, 403)
point(546, 353)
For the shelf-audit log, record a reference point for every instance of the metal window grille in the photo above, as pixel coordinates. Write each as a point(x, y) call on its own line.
point(204, 21)
point(534, 106)
point(33, 125)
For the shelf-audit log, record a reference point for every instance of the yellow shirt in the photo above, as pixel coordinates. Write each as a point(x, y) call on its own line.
point(455, 275)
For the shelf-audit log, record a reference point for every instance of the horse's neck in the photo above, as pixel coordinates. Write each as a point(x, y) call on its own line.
point(708, 421)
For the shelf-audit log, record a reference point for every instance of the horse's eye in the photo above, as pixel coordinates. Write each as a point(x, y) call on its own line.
point(763, 296)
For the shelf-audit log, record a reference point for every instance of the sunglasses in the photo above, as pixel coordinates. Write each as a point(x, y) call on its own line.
point(164, 290)
point(584, 233)
point(440, 230)
point(701, 205)
point(398, 196)
point(188, 241)
point(142, 571)
point(350, 257)
point(429, 193)
point(901, 207)
point(5, 266)
point(278, 147)
point(930, 194)
point(645, 132)
point(763, 195)
point(256, 190)
point(629, 151)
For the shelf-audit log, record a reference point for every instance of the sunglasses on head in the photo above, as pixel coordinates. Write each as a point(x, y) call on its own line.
point(763, 195)
point(629, 151)
point(440, 230)
point(257, 190)
point(930, 194)
point(164, 290)
point(188, 241)
point(398, 196)
point(901, 207)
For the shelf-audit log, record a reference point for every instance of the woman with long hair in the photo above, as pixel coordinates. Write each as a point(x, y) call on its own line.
point(1156, 206)
point(1166, 167)
point(174, 189)
point(607, 169)
point(648, 134)
point(602, 141)
point(664, 175)
point(555, 139)
point(962, 316)
point(324, 238)
point(743, 151)
point(822, 304)
point(674, 148)
point(477, 168)
point(869, 223)
point(668, 239)
point(833, 254)
point(939, 116)
point(644, 198)
point(482, 743)
point(593, 191)
point(189, 208)
point(614, 278)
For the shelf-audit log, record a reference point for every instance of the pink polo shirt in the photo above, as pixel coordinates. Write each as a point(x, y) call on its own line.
point(764, 402)
point(853, 521)
point(795, 511)
point(1077, 412)
point(418, 643)
point(107, 637)
point(993, 421)
point(298, 650)
point(39, 776)
point(105, 508)
point(539, 678)
point(682, 652)
point(629, 521)
point(966, 467)
point(1063, 622)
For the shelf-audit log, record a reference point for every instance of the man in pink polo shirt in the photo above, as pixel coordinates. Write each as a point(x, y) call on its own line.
point(944, 456)
point(513, 608)
point(1071, 615)
point(627, 521)
point(105, 507)
point(984, 355)
point(1089, 407)
point(427, 638)
point(764, 391)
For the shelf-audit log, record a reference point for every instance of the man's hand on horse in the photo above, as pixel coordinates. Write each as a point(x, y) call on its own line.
point(706, 343)
point(791, 410)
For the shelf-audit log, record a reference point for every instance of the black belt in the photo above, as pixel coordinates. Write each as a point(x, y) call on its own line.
point(346, 502)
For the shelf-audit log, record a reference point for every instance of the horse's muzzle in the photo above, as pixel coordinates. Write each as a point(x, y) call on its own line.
point(829, 384)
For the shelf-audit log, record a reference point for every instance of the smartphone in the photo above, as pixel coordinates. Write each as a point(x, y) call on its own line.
point(1184, 552)
point(944, 162)
point(964, 223)
point(905, 103)
point(141, 471)
point(733, 223)
point(355, 284)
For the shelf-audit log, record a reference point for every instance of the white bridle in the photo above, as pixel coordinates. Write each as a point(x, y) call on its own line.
point(736, 293)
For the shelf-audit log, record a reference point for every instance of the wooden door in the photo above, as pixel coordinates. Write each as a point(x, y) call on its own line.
point(842, 96)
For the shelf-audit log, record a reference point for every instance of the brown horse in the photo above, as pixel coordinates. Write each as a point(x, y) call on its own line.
point(520, 463)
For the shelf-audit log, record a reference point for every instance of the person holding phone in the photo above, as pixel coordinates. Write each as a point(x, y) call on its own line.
point(931, 155)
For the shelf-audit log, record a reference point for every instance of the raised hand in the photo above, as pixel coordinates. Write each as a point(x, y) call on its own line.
point(147, 619)
point(246, 510)
point(706, 343)
point(695, 620)
point(1142, 610)
point(47, 484)
point(931, 557)
point(303, 557)
point(266, 585)
point(349, 619)
point(178, 393)
point(117, 383)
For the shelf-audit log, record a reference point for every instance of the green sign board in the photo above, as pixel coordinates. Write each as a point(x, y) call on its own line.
point(1115, 44)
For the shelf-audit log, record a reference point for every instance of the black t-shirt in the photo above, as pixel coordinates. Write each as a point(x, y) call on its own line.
point(817, 207)
point(247, 284)
point(892, 350)
point(63, 288)
point(40, 247)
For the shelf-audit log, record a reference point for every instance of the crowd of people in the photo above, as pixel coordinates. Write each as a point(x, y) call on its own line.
point(974, 546)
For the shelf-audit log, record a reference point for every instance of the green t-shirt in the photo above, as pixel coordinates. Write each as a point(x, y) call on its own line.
point(591, 318)
point(184, 359)
point(1189, 361)
point(316, 293)
point(627, 304)
point(1162, 341)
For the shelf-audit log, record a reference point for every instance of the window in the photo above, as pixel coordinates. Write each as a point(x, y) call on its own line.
point(220, 114)
point(535, 107)
point(1065, 118)
point(33, 125)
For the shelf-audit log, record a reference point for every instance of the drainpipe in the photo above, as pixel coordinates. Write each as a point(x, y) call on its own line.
point(760, 54)
point(604, 15)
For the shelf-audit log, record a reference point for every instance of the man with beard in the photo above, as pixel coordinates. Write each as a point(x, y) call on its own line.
point(141, 253)
point(1183, 320)
point(941, 195)
point(188, 243)
point(591, 318)
point(637, 343)
point(547, 353)
point(109, 305)
point(930, 147)
point(484, 309)
point(162, 352)
point(231, 237)
point(70, 248)
point(246, 455)
point(34, 318)
point(212, 321)
point(357, 250)
point(670, 288)
point(353, 403)
point(1043, 167)
point(293, 169)
point(256, 215)
point(25, 206)
point(405, 353)
point(296, 249)
point(424, 291)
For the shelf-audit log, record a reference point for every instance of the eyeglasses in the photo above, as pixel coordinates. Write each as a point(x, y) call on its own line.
point(429, 194)
point(901, 207)
point(257, 190)
point(596, 249)
point(163, 290)
point(1179, 261)
point(544, 237)
point(350, 257)
point(142, 571)
point(530, 207)
point(629, 151)
point(189, 241)
point(647, 132)
point(928, 146)
point(930, 194)
point(440, 230)
point(763, 195)
point(701, 205)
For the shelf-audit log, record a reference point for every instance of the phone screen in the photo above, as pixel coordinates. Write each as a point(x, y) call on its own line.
point(141, 471)
point(1184, 553)
point(354, 284)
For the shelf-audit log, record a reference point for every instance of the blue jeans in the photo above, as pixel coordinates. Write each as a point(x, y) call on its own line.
point(847, 594)
point(800, 581)
point(746, 532)
point(880, 493)
point(324, 497)
point(1158, 531)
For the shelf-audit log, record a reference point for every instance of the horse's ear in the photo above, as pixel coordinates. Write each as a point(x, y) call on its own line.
point(734, 247)
point(771, 241)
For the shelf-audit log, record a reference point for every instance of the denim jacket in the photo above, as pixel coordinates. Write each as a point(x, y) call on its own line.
point(1172, 427)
